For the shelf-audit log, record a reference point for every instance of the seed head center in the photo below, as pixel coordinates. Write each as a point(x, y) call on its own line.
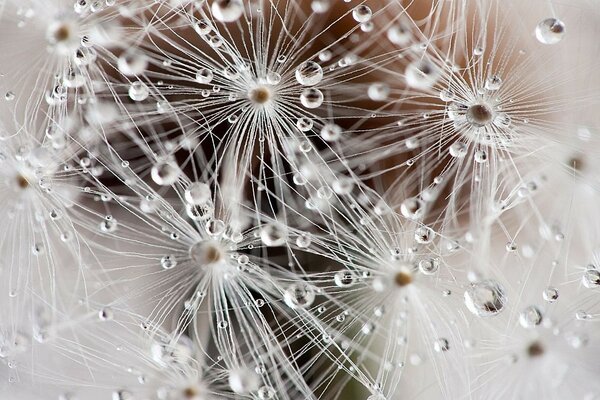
point(22, 182)
point(535, 349)
point(260, 95)
point(207, 253)
point(403, 278)
point(479, 115)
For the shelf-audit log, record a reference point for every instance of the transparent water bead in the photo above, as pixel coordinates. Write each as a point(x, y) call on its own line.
point(311, 98)
point(227, 10)
point(138, 91)
point(266, 393)
point(198, 193)
point(424, 235)
point(362, 13)
point(550, 31)
point(243, 381)
point(105, 314)
point(165, 172)
point(273, 234)
point(344, 278)
point(550, 294)
point(441, 345)
point(485, 298)
point(299, 295)
point(168, 262)
point(421, 74)
point(493, 83)
point(399, 34)
point(132, 62)
point(412, 208)
point(378, 91)
point(204, 76)
point(591, 277)
point(331, 132)
point(309, 73)
point(429, 266)
point(530, 317)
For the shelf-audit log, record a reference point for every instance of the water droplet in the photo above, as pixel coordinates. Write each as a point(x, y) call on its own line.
point(138, 91)
point(266, 393)
point(106, 314)
point(227, 10)
point(344, 278)
point(424, 235)
point(331, 132)
point(479, 115)
point(299, 295)
point(421, 74)
point(399, 34)
point(550, 31)
point(303, 241)
point(204, 76)
point(132, 62)
point(378, 91)
point(309, 73)
point(485, 298)
point(311, 98)
point(165, 173)
point(441, 345)
point(530, 317)
point(550, 294)
point(198, 193)
point(429, 266)
point(493, 83)
point(168, 262)
point(591, 277)
point(362, 13)
point(412, 208)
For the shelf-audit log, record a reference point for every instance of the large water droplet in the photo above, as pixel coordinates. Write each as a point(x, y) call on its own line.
point(550, 31)
point(485, 298)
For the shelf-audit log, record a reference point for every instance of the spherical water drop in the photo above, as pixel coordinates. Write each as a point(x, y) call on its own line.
point(165, 173)
point(227, 10)
point(412, 208)
point(591, 277)
point(530, 317)
point(331, 132)
point(550, 31)
point(441, 345)
point(550, 294)
point(132, 62)
point(378, 91)
point(311, 98)
point(204, 76)
point(424, 235)
point(421, 74)
point(362, 13)
point(309, 73)
point(493, 83)
point(138, 91)
point(273, 234)
point(479, 115)
point(344, 278)
point(243, 381)
point(198, 193)
point(299, 295)
point(429, 266)
point(266, 393)
point(168, 262)
point(485, 298)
